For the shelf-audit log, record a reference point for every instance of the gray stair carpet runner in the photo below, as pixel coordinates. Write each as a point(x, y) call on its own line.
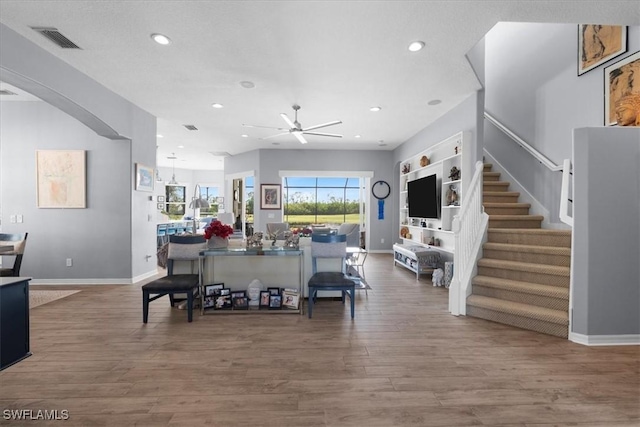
point(523, 277)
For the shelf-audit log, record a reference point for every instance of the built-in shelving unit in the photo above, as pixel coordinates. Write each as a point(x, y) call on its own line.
point(440, 159)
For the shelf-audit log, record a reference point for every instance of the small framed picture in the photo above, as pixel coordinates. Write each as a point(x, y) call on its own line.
point(208, 302)
point(274, 291)
point(238, 294)
point(264, 299)
point(270, 196)
point(160, 199)
point(240, 303)
point(290, 299)
point(144, 178)
point(160, 206)
point(622, 91)
point(275, 302)
point(222, 302)
point(225, 291)
point(214, 289)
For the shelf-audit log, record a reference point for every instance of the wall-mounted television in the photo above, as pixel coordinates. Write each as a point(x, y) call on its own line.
point(423, 197)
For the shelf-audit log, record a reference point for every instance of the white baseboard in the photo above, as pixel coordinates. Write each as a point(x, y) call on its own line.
point(381, 251)
point(595, 340)
point(95, 281)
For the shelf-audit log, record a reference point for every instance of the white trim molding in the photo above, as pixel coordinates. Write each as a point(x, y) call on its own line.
point(600, 340)
point(131, 281)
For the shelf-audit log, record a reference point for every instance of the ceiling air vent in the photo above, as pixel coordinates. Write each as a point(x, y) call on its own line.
point(219, 153)
point(6, 92)
point(190, 127)
point(56, 36)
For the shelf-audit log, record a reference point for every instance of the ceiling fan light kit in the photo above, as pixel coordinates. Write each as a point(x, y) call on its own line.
point(297, 130)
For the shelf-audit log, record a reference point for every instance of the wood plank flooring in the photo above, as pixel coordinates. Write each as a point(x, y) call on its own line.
point(403, 361)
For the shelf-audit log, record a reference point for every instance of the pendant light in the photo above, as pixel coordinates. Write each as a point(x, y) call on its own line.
point(173, 177)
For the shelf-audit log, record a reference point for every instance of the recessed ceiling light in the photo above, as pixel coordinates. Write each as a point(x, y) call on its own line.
point(216, 105)
point(434, 102)
point(381, 143)
point(247, 84)
point(244, 135)
point(180, 146)
point(416, 46)
point(161, 39)
point(357, 136)
point(375, 108)
point(275, 143)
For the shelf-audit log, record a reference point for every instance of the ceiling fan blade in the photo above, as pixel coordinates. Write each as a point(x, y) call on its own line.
point(288, 120)
point(337, 122)
point(278, 134)
point(264, 127)
point(335, 135)
point(300, 137)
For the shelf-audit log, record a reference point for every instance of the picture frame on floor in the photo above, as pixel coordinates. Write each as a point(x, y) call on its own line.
point(240, 303)
point(208, 302)
point(274, 291)
point(290, 299)
point(264, 299)
point(210, 290)
point(222, 302)
point(275, 302)
point(239, 294)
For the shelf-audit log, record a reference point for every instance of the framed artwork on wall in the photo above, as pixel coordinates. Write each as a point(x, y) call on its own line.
point(144, 178)
point(622, 92)
point(598, 44)
point(270, 196)
point(61, 179)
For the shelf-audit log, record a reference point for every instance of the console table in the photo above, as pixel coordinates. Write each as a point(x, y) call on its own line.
point(237, 267)
point(14, 320)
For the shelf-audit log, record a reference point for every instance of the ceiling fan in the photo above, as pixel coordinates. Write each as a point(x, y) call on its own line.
point(296, 129)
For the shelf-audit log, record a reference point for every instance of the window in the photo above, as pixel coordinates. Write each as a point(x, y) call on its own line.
point(210, 194)
point(249, 191)
point(322, 200)
point(175, 201)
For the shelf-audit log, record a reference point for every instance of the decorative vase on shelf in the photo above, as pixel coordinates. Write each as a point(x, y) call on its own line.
point(216, 242)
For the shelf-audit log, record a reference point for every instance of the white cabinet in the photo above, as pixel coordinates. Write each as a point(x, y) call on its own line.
point(444, 160)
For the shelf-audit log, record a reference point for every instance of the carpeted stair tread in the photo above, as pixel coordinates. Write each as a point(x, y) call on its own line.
point(493, 176)
point(519, 309)
point(505, 194)
point(515, 217)
point(524, 266)
point(506, 205)
point(527, 248)
point(537, 231)
point(498, 183)
point(523, 287)
point(488, 166)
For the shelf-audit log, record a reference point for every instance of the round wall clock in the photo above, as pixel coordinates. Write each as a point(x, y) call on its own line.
point(381, 190)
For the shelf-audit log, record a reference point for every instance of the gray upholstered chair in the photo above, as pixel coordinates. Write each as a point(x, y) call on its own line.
point(352, 231)
point(18, 241)
point(330, 246)
point(277, 228)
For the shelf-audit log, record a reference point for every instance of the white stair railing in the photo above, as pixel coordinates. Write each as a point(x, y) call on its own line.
point(469, 227)
point(565, 168)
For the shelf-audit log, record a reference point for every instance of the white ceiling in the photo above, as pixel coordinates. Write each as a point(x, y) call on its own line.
point(334, 58)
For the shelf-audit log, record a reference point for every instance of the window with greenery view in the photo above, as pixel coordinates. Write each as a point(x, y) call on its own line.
point(210, 194)
point(321, 200)
point(249, 191)
point(175, 200)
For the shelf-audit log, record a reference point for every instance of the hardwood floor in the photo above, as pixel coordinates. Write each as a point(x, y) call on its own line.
point(403, 361)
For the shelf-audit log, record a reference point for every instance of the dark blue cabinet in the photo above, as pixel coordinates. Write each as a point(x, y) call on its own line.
point(14, 320)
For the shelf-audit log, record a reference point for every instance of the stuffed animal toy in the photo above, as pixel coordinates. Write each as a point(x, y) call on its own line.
point(437, 277)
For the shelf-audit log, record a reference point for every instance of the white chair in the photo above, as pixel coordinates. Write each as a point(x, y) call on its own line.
point(277, 228)
point(352, 231)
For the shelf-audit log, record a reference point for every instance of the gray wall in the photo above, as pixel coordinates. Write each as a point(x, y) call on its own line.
point(606, 284)
point(110, 173)
point(268, 163)
point(533, 88)
point(463, 118)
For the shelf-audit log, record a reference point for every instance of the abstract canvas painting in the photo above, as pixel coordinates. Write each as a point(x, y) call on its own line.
point(61, 178)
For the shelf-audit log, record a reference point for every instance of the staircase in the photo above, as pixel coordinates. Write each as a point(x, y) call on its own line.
point(523, 279)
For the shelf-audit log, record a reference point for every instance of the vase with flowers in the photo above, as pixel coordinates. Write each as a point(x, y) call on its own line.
point(217, 234)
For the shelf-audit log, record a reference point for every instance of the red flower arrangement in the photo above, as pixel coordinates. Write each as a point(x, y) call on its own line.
point(216, 228)
point(303, 231)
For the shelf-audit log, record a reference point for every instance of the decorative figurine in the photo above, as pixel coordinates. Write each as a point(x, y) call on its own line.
point(255, 241)
point(291, 240)
point(451, 196)
point(454, 174)
point(424, 161)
